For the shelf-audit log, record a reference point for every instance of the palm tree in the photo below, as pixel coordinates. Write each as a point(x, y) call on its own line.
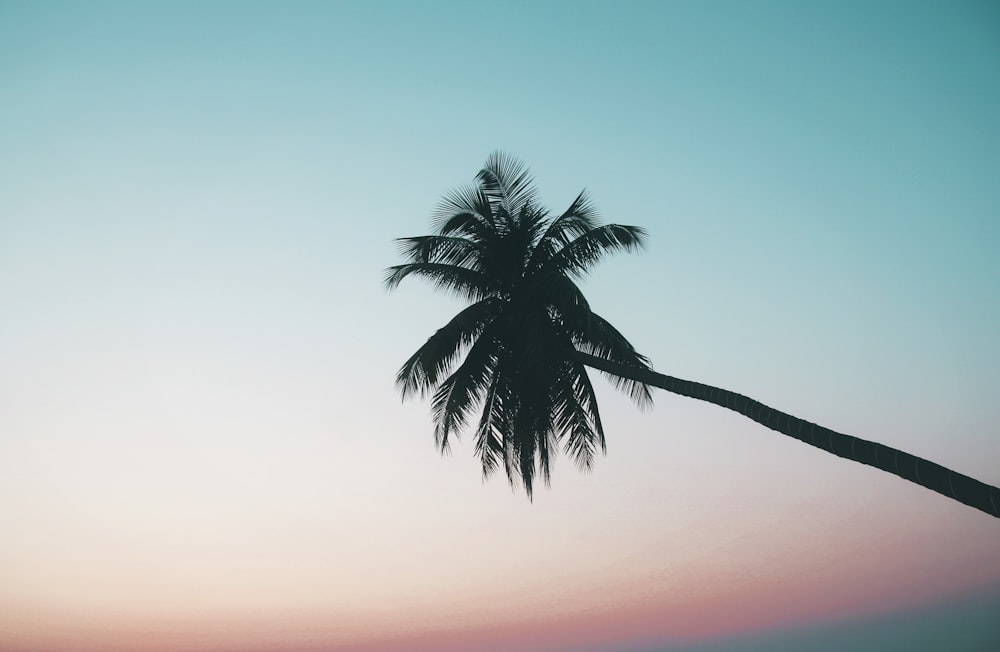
point(528, 336)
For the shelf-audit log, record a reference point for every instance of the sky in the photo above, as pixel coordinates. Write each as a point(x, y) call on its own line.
point(201, 445)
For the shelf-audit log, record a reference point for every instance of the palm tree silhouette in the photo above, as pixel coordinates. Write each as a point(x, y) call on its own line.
point(529, 334)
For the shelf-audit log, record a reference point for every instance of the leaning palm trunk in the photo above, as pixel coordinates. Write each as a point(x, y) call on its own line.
point(933, 476)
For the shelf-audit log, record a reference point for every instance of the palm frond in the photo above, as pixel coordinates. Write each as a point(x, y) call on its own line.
point(524, 441)
point(422, 371)
point(507, 182)
point(461, 252)
point(467, 283)
point(578, 417)
point(495, 421)
point(458, 395)
point(533, 221)
point(465, 224)
point(465, 211)
point(578, 219)
point(598, 337)
point(585, 251)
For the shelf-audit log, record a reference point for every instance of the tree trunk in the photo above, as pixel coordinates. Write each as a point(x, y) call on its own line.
point(935, 477)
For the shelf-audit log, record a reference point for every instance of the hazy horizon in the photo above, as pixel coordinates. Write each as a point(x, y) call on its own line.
point(965, 623)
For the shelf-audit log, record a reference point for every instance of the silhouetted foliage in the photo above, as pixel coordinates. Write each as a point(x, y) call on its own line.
point(517, 264)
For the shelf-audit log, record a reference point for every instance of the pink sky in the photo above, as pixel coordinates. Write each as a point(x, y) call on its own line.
point(754, 580)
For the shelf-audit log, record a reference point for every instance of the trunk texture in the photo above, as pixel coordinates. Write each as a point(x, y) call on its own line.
point(927, 474)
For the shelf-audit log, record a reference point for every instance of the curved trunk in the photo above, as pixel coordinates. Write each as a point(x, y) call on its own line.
point(935, 477)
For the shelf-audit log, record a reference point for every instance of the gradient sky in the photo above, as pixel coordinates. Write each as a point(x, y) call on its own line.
point(201, 447)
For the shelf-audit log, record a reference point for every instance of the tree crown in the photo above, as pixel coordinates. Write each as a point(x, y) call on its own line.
point(517, 265)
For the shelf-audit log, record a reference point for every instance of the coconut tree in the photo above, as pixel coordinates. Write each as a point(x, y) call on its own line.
point(518, 354)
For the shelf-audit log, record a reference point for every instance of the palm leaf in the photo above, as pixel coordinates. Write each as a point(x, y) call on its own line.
point(461, 252)
point(582, 253)
point(467, 283)
point(422, 371)
point(507, 182)
point(489, 443)
point(458, 395)
point(598, 337)
point(575, 221)
point(465, 211)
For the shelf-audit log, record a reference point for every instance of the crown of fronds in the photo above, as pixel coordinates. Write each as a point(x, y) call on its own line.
point(509, 355)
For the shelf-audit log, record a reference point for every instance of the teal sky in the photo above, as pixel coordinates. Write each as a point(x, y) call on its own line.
point(199, 434)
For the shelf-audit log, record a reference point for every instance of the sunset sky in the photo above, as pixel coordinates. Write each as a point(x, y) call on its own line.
point(201, 445)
